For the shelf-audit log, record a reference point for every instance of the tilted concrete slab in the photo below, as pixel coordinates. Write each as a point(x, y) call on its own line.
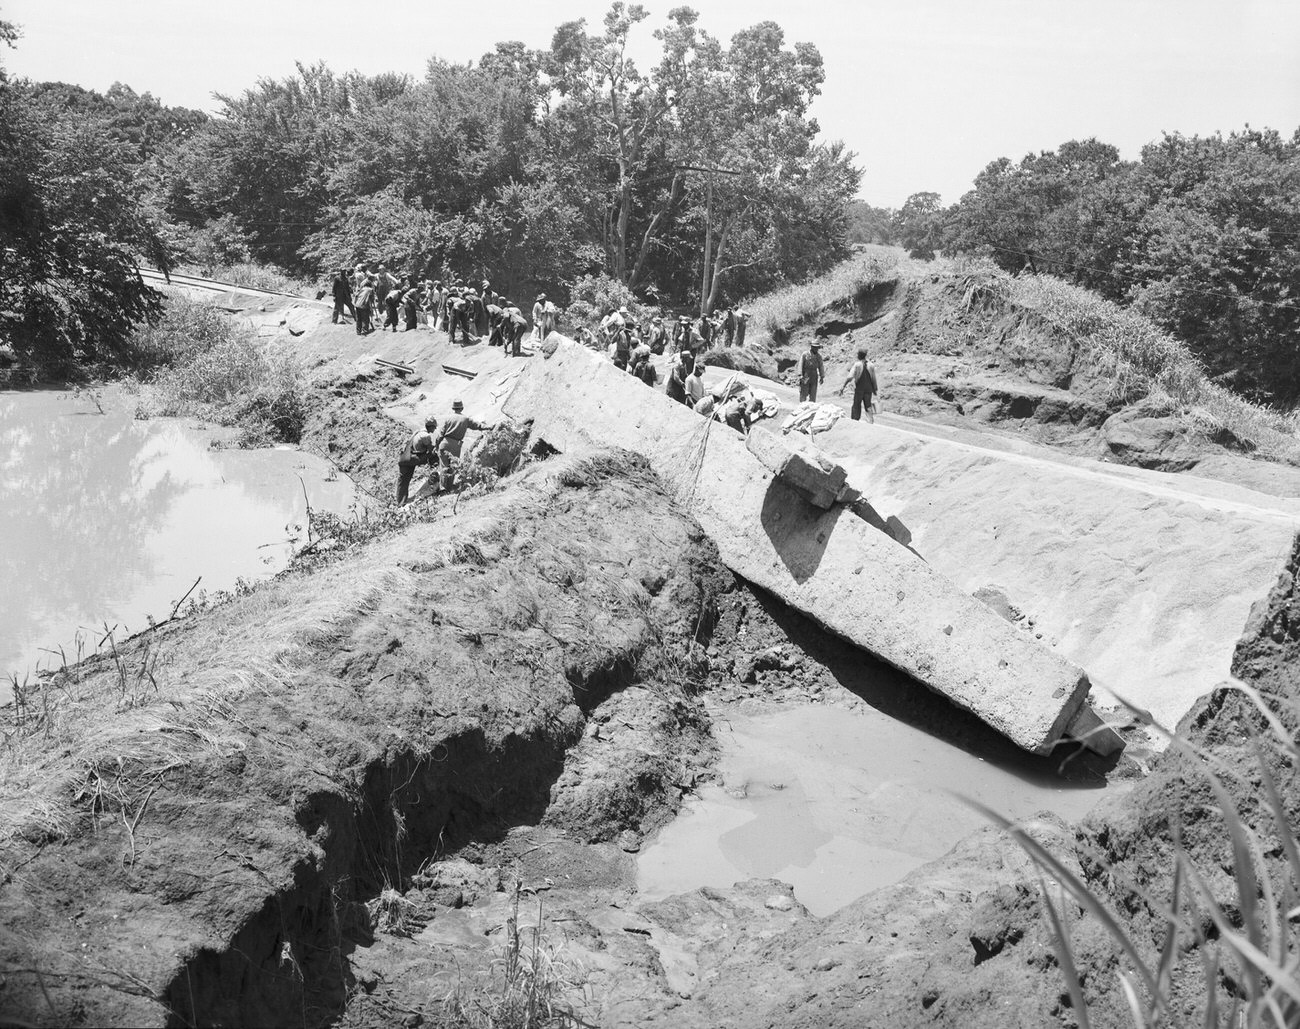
point(830, 564)
point(816, 478)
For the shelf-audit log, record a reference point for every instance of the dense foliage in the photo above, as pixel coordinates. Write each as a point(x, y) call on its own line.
point(1202, 234)
point(535, 168)
point(72, 229)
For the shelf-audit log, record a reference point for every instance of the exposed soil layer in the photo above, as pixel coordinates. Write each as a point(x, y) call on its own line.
point(203, 855)
point(946, 352)
point(313, 805)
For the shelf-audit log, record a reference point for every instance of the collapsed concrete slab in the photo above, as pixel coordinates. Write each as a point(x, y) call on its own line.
point(828, 563)
point(818, 480)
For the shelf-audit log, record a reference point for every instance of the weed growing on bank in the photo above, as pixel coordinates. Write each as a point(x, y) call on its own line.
point(531, 984)
point(1243, 930)
point(775, 315)
point(199, 362)
point(1139, 358)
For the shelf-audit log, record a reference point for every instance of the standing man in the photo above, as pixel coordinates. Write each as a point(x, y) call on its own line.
point(418, 450)
point(387, 282)
point(450, 439)
point(681, 333)
point(706, 331)
point(539, 308)
point(658, 336)
point(865, 387)
point(729, 326)
point(811, 372)
point(342, 297)
point(695, 390)
point(676, 388)
point(550, 314)
point(365, 299)
point(742, 319)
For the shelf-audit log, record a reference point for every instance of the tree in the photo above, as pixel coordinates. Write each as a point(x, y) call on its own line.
point(1215, 254)
point(919, 225)
point(73, 232)
point(867, 224)
point(608, 105)
point(1027, 214)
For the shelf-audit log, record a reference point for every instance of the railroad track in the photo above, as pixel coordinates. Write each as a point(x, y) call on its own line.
point(152, 275)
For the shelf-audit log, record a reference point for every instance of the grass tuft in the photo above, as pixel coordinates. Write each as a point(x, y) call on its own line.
point(531, 987)
point(1245, 938)
point(775, 315)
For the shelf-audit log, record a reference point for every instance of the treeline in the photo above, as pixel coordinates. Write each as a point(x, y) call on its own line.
point(1201, 234)
point(692, 182)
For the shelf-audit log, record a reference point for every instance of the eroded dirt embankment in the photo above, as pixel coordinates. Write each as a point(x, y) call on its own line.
point(194, 844)
point(955, 347)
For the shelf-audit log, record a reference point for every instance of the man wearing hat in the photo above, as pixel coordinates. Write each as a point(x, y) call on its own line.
point(811, 372)
point(419, 450)
point(539, 308)
point(513, 328)
point(682, 333)
point(658, 339)
point(450, 439)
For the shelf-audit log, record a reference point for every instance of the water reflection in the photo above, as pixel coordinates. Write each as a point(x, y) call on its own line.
point(104, 519)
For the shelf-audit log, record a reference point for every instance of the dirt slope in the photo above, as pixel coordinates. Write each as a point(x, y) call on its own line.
point(193, 839)
point(952, 347)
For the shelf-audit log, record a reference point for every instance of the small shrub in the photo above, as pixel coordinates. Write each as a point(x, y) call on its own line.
point(197, 361)
point(594, 296)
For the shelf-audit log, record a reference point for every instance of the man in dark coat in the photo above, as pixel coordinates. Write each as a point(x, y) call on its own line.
point(342, 297)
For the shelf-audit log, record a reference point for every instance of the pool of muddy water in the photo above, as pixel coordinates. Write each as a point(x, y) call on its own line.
point(106, 521)
point(837, 802)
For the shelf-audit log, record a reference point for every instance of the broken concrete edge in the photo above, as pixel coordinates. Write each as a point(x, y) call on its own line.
point(1091, 731)
point(818, 479)
point(902, 610)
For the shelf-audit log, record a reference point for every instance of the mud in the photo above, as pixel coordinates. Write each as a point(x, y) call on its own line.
point(836, 801)
point(340, 797)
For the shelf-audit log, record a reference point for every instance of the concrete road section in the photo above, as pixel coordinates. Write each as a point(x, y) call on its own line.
point(830, 564)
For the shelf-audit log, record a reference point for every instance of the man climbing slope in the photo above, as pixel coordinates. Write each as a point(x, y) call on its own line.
point(450, 440)
point(419, 450)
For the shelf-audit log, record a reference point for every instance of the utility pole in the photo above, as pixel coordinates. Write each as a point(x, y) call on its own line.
point(708, 223)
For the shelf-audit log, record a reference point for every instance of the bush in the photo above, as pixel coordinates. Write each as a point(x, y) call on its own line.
point(594, 296)
point(197, 361)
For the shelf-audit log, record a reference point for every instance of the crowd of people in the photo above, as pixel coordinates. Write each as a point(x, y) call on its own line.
point(465, 311)
point(468, 312)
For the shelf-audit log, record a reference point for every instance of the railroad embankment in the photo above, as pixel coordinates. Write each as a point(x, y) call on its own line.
point(406, 780)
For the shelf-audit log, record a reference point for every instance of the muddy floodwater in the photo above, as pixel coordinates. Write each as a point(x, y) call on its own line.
point(106, 521)
point(837, 803)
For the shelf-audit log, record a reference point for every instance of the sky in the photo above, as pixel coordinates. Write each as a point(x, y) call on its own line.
point(925, 92)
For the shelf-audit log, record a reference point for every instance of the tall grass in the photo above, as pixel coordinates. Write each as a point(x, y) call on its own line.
point(774, 315)
point(258, 276)
point(197, 361)
point(1244, 940)
point(1140, 359)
